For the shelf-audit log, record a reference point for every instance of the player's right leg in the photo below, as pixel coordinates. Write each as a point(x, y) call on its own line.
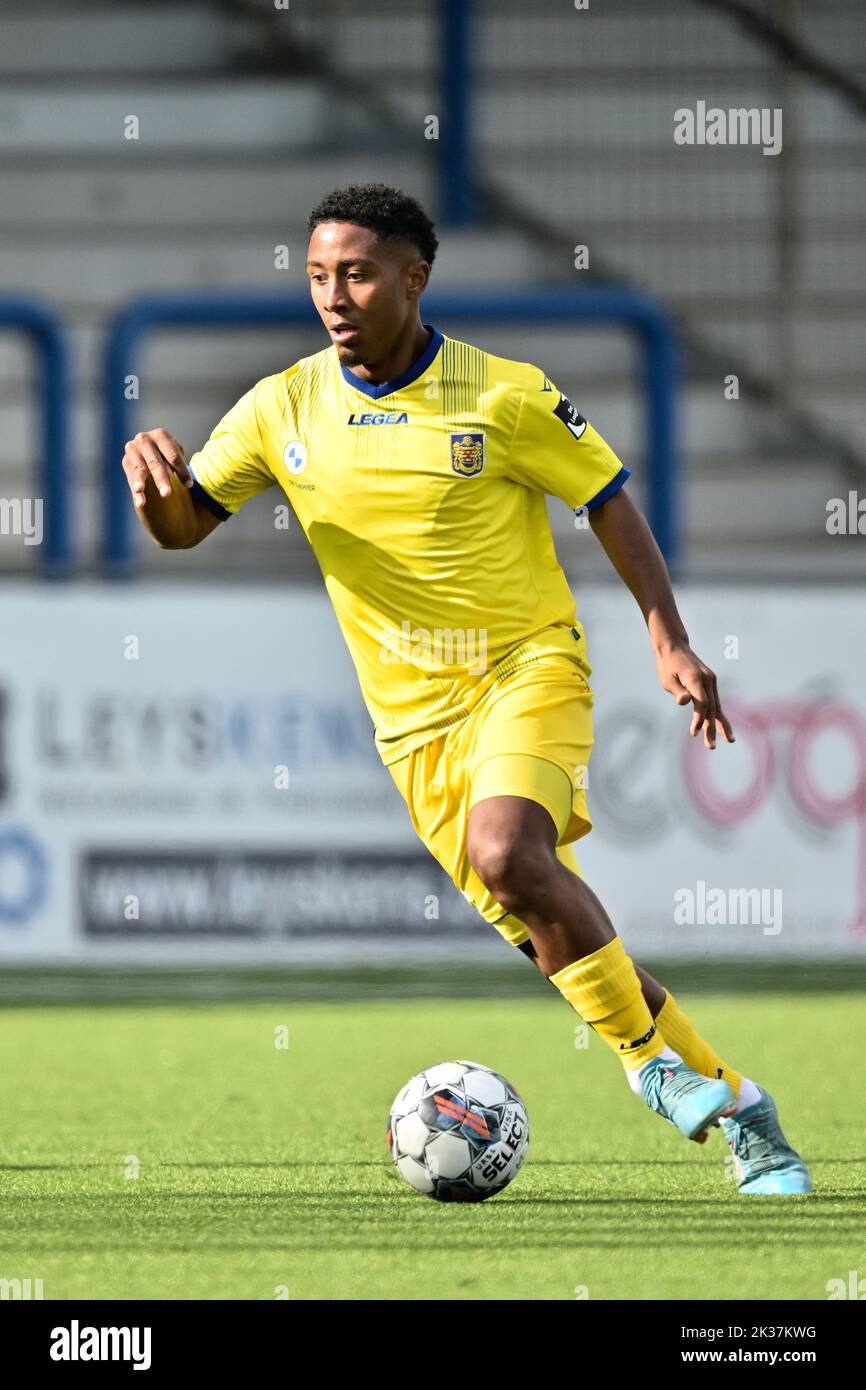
point(512, 849)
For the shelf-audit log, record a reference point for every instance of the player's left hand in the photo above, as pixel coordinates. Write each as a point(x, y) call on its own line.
point(686, 677)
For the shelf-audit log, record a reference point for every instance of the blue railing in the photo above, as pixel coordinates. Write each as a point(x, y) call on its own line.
point(54, 482)
point(457, 198)
point(617, 308)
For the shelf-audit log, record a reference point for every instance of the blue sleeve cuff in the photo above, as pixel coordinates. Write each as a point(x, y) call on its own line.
point(609, 489)
point(206, 500)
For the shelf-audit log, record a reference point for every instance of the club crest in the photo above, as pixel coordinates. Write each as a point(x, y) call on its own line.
point(467, 454)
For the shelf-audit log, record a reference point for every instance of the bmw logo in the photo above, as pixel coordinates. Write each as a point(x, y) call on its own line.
point(295, 456)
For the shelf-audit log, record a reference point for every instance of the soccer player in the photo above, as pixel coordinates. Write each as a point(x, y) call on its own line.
point(418, 466)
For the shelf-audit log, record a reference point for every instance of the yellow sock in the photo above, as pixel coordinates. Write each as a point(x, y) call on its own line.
point(605, 990)
point(680, 1034)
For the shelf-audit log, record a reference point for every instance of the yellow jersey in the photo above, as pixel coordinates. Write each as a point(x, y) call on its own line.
point(424, 502)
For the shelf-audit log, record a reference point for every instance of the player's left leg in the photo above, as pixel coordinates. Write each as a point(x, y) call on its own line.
point(674, 1025)
point(764, 1161)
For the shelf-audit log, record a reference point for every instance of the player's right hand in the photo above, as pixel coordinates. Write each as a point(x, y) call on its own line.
point(154, 454)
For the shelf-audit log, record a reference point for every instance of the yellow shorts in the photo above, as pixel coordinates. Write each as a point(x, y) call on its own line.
point(531, 736)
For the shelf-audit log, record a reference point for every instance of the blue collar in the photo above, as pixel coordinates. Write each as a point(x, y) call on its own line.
point(369, 388)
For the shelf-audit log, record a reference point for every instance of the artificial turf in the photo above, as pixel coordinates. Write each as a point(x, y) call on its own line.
point(174, 1152)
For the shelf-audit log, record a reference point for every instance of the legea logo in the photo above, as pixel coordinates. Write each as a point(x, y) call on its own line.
point(394, 418)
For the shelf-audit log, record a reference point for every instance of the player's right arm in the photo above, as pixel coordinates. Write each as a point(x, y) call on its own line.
point(161, 486)
point(180, 503)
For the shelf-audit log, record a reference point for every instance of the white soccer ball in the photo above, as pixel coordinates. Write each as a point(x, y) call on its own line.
point(458, 1132)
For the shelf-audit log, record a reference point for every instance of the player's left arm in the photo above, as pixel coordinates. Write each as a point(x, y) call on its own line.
point(557, 451)
point(631, 548)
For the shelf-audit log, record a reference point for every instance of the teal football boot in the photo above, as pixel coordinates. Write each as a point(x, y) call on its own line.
point(764, 1162)
point(688, 1100)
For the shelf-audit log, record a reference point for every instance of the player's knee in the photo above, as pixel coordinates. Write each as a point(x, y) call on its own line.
point(513, 870)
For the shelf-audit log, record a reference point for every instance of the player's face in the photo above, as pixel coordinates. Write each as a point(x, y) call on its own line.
point(365, 290)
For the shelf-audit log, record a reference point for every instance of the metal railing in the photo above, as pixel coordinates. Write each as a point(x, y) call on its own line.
point(457, 197)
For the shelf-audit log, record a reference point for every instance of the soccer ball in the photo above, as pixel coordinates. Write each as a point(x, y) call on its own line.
point(458, 1132)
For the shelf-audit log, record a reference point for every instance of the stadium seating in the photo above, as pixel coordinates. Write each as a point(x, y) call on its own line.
point(767, 275)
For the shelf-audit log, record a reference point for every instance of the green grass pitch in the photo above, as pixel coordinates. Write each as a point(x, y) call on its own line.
point(262, 1172)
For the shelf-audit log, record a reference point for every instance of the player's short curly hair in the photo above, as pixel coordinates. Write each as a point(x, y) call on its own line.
point(388, 212)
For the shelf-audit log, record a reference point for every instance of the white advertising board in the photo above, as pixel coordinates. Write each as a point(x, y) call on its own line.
point(190, 776)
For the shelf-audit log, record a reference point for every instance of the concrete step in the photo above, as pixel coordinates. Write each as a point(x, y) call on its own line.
point(551, 41)
point(829, 263)
point(516, 122)
point(112, 39)
point(111, 197)
point(843, 411)
point(741, 502)
point(207, 116)
point(732, 197)
point(103, 186)
point(105, 37)
point(634, 40)
point(828, 559)
point(808, 345)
